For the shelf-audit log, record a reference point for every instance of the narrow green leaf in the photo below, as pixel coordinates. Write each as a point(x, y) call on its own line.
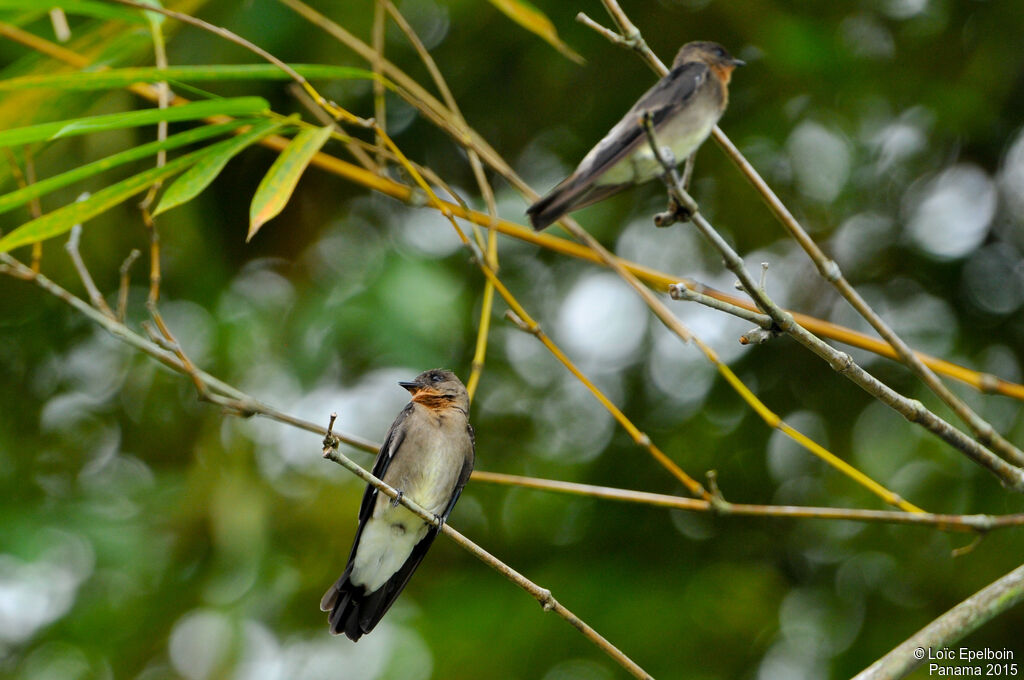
point(99, 10)
point(277, 185)
point(98, 42)
point(43, 187)
point(62, 219)
point(239, 106)
point(199, 176)
point(123, 77)
point(535, 21)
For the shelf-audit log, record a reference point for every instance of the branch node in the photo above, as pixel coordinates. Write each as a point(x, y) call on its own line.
point(609, 34)
point(680, 291)
point(843, 364)
point(546, 599)
point(759, 336)
point(916, 410)
point(988, 383)
point(674, 213)
point(718, 504)
point(520, 324)
point(830, 271)
point(331, 441)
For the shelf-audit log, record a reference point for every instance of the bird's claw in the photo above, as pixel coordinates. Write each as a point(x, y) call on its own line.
point(397, 499)
point(440, 521)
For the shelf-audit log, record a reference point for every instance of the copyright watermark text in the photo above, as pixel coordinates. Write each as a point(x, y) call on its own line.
point(968, 662)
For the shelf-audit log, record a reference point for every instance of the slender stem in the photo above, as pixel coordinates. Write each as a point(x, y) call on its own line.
point(543, 596)
point(379, 101)
point(981, 523)
point(911, 409)
point(966, 617)
point(83, 273)
point(122, 289)
point(680, 291)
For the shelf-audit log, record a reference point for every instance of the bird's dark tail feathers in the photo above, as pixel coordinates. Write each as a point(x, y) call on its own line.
point(549, 209)
point(571, 194)
point(352, 612)
point(355, 612)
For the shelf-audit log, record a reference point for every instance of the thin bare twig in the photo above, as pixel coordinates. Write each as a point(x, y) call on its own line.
point(83, 273)
point(978, 523)
point(163, 101)
point(543, 596)
point(379, 101)
point(24, 179)
point(34, 205)
point(911, 409)
point(680, 291)
point(122, 289)
point(966, 617)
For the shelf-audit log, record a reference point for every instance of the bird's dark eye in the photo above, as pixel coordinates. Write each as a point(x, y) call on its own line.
point(719, 51)
point(436, 377)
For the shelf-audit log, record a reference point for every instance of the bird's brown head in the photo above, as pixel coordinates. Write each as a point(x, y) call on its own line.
point(710, 53)
point(438, 388)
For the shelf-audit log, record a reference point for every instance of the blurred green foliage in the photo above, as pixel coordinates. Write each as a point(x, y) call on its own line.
point(146, 535)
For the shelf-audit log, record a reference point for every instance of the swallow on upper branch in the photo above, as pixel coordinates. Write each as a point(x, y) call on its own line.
point(684, 107)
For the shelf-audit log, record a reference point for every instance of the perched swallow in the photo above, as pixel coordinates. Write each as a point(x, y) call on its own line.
point(685, 106)
point(427, 456)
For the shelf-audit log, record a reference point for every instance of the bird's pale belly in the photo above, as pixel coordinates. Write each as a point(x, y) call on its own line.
point(393, 531)
point(683, 135)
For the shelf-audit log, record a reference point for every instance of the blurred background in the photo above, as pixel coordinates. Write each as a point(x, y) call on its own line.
point(146, 535)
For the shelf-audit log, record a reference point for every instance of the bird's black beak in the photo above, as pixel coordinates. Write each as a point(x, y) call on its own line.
point(738, 62)
point(413, 386)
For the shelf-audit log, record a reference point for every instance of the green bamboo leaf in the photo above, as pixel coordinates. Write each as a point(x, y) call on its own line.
point(99, 10)
point(277, 185)
point(199, 176)
point(62, 219)
point(239, 106)
point(535, 21)
point(123, 77)
point(43, 187)
point(104, 42)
